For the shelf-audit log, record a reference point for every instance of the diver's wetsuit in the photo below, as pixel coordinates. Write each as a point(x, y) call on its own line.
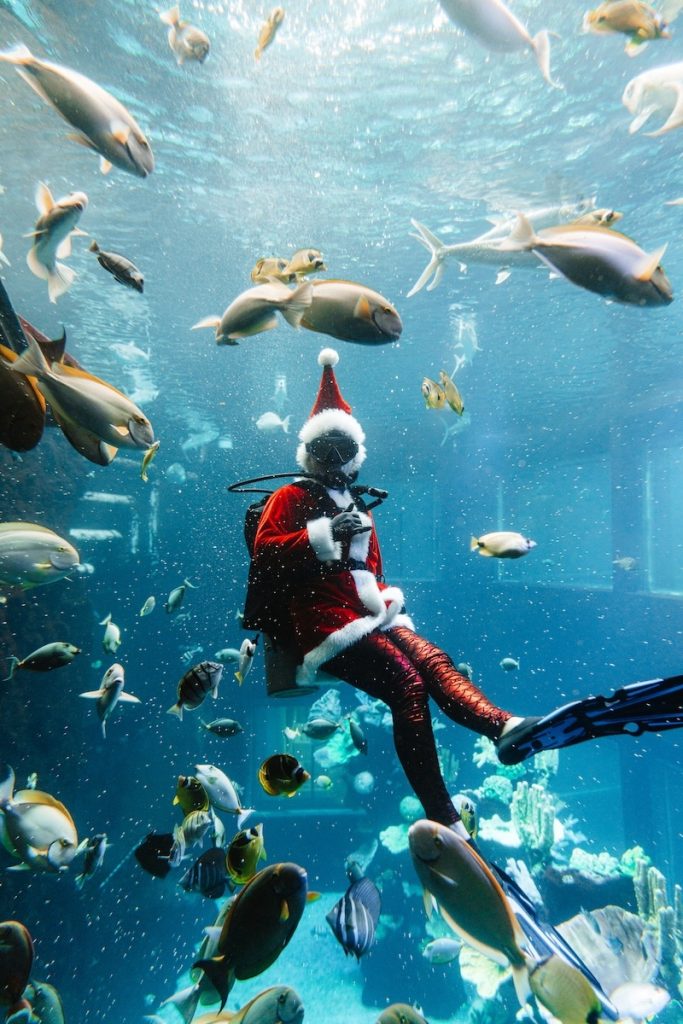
point(404, 670)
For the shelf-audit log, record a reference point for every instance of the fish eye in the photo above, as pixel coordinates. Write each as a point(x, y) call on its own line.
point(386, 309)
point(438, 842)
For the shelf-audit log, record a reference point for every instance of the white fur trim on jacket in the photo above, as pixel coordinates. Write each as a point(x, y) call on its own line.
point(321, 539)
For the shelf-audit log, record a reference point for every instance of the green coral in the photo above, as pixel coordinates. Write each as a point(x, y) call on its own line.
point(594, 865)
point(533, 815)
point(630, 859)
point(395, 838)
point(496, 787)
point(411, 809)
point(665, 922)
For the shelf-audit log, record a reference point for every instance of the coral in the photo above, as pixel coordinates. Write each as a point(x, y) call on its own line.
point(338, 750)
point(481, 971)
point(543, 765)
point(663, 921)
point(630, 859)
point(496, 787)
point(594, 865)
point(488, 1011)
point(327, 705)
point(495, 830)
point(533, 815)
point(485, 752)
point(614, 944)
point(411, 809)
point(395, 838)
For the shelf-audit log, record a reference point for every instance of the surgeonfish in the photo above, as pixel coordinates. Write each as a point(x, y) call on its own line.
point(494, 25)
point(357, 735)
point(121, 269)
point(451, 393)
point(208, 876)
point(147, 459)
point(148, 607)
point(270, 423)
point(153, 853)
point(35, 828)
point(221, 792)
point(351, 312)
point(317, 728)
point(260, 923)
point(101, 122)
point(244, 853)
point(659, 90)
point(632, 18)
point(246, 660)
point(502, 544)
point(44, 659)
point(22, 411)
point(271, 268)
point(52, 238)
point(282, 775)
point(400, 1013)
point(253, 311)
point(177, 596)
point(85, 407)
point(267, 33)
point(433, 394)
point(276, 1005)
point(16, 961)
point(111, 641)
point(32, 555)
point(564, 991)
point(353, 919)
point(190, 795)
point(227, 654)
point(224, 728)
point(469, 898)
point(93, 858)
point(597, 259)
point(45, 1002)
point(304, 262)
point(187, 41)
point(109, 694)
point(197, 683)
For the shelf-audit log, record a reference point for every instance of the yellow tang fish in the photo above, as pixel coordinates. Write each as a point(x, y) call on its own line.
point(282, 775)
point(451, 393)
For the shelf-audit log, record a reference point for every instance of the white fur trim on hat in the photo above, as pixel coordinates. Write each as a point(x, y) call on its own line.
point(322, 423)
point(328, 357)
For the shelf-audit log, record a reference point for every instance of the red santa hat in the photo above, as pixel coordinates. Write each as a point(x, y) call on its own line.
point(330, 412)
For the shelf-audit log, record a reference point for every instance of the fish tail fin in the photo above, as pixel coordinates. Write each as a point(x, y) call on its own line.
point(14, 661)
point(93, 247)
point(207, 321)
point(296, 305)
point(106, 621)
point(239, 677)
point(35, 266)
point(541, 48)
point(104, 729)
point(59, 281)
point(242, 815)
point(6, 783)
point(171, 16)
point(32, 362)
point(474, 543)
point(285, 424)
point(192, 586)
point(520, 979)
point(79, 880)
point(17, 55)
point(176, 709)
point(220, 974)
point(185, 1002)
point(436, 251)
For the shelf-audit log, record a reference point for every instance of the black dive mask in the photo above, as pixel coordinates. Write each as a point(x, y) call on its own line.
point(332, 449)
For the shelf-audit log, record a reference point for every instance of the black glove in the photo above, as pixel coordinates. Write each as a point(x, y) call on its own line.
point(347, 524)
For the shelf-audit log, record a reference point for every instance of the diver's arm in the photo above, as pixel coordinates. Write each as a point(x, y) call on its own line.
point(291, 528)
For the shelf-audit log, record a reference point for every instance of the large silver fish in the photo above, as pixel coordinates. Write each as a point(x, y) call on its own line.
point(276, 1005)
point(52, 238)
point(44, 659)
point(101, 122)
point(31, 555)
point(35, 828)
point(253, 311)
point(352, 312)
point(109, 694)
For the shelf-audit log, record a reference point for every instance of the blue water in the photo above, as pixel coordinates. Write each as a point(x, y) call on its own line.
point(361, 115)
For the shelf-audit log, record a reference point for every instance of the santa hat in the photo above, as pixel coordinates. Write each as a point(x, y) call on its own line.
point(330, 412)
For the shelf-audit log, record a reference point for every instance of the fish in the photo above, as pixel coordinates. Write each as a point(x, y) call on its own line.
point(502, 544)
point(221, 792)
point(260, 923)
point(353, 919)
point(177, 596)
point(35, 828)
point(638, 1001)
point(224, 728)
point(44, 659)
point(659, 90)
point(276, 1005)
point(282, 775)
point(564, 991)
point(130, 352)
point(357, 736)
point(467, 810)
point(153, 853)
point(244, 853)
point(494, 25)
point(93, 859)
point(45, 1002)
point(247, 652)
point(109, 695)
point(465, 669)
point(111, 641)
point(86, 407)
point(271, 268)
point(22, 411)
point(190, 795)
point(177, 852)
point(16, 961)
point(101, 122)
point(208, 875)
point(632, 18)
point(121, 269)
point(227, 654)
point(270, 422)
point(433, 394)
point(304, 262)
point(147, 458)
point(52, 233)
point(194, 827)
point(267, 33)
point(509, 664)
point(84, 534)
point(187, 41)
point(315, 728)
point(323, 782)
point(442, 951)
point(400, 1013)
point(32, 555)
point(32, 780)
point(626, 563)
point(351, 312)
point(148, 607)
point(199, 681)
point(469, 898)
point(253, 311)
point(451, 393)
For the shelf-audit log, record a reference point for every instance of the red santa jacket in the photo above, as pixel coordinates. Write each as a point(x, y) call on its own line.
point(308, 590)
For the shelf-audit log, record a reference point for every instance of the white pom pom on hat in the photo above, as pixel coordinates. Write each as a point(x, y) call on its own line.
point(328, 357)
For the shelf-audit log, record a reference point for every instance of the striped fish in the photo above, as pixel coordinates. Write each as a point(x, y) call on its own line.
point(354, 917)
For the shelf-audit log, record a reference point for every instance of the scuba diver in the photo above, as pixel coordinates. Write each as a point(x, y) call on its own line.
point(316, 584)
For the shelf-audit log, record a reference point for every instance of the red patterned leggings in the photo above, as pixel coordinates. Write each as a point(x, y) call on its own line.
point(404, 670)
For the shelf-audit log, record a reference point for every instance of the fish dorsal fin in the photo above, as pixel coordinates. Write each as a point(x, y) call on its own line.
point(77, 371)
point(105, 165)
point(522, 235)
point(36, 796)
point(646, 267)
point(120, 131)
point(207, 321)
point(44, 198)
point(362, 310)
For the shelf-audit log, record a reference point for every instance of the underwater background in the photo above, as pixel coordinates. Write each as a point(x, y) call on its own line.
point(361, 115)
